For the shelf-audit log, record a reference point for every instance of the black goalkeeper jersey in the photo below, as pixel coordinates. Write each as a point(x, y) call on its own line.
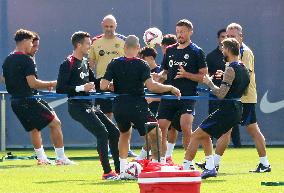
point(74, 72)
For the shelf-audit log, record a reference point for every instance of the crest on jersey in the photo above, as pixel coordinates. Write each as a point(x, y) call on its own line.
point(186, 56)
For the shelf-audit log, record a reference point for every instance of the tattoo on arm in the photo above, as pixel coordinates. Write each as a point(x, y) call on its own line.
point(228, 78)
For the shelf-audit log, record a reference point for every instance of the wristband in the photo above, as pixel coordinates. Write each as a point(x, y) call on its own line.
point(80, 88)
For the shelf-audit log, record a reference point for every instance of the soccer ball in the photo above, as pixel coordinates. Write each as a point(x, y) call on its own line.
point(152, 36)
point(133, 169)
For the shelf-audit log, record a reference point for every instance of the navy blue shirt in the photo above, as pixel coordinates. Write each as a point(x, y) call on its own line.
point(191, 58)
point(128, 75)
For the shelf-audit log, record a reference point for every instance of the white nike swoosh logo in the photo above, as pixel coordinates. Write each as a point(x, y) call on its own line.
point(269, 107)
point(58, 102)
point(261, 170)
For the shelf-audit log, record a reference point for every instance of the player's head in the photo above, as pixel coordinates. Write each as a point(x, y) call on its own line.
point(148, 53)
point(168, 39)
point(35, 44)
point(131, 46)
point(221, 35)
point(231, 48)
point(184, 30)
point(109, 25)
point(24, 39)
point(81, 41)
point(235, 30)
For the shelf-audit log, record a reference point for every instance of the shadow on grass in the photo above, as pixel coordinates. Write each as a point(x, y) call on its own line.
point(84, 158)
point(233, 174)
point(80, 158)
point(15, 166)
point(212, 181)
point(89, 182)
point(112, 182)
point(58, 181)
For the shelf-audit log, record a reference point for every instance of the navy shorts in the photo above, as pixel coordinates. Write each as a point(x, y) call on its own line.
point(223, 119)
point(249, 115)
point(32, 113)
point(132, 110)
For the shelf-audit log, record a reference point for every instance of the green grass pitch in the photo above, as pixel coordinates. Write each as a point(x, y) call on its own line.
point(26, 177)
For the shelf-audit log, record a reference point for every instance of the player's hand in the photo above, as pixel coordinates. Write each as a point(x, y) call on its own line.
point(155, 76)
point(181, 73)
point(176, 92)
point(207, 79)
point(111, 86)
point(50, 88)
point(51, 85)
point(218, 75)
point(88, 87)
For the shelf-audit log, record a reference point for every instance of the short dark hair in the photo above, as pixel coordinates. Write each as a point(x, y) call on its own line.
point(36, 36)
point(169, 39)
point(220, 31)
point(148, 51)
point(233, 45)
point(23, 34)
point(78, 37)
point(186, 23)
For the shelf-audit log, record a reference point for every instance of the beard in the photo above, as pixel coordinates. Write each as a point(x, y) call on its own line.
point(226, 59)
point(110, 33)
point(180, 41)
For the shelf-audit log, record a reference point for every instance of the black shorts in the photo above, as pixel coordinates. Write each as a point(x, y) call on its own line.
point(223, 119)
point(32, 113)
point(129, 110)
point(154, 106)
point(249, 115)
point(105, 105)
point(176, 122)
point(168, 108)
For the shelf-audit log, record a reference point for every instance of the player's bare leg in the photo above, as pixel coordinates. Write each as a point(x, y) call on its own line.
point(153, 142)
point(172, 137)
point(186, 127)
point(164, 125)
point(123, 144)
point(200, 137)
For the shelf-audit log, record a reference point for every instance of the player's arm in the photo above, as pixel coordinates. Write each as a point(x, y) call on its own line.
point(248, 60)
point(92, 63)
point(63, 82)
point(157, 87)
point(63, 86)
point(92, 58)
point(105, 83)
point(160, 77)
point(228, 78)
point(30, 74)
point(194, 77)
point(2, 79)
point(35, 83)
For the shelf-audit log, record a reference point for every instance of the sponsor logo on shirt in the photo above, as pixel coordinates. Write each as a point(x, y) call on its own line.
point(176, 63)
